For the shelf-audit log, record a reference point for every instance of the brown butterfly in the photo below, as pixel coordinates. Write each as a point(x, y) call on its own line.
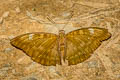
point(50, 49)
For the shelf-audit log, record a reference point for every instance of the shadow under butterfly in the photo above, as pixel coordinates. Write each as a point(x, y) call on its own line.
point(50, 49)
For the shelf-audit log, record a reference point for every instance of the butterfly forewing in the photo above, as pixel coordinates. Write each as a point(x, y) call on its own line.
point(82, 43)
point(41, 47)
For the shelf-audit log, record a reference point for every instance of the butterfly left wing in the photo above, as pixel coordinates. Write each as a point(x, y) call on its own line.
point(82, 43)
point(41, 47)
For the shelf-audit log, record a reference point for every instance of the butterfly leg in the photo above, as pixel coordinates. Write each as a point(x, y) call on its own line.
point(64, 62)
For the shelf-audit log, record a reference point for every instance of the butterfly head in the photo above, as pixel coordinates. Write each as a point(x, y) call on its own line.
point(61, 32)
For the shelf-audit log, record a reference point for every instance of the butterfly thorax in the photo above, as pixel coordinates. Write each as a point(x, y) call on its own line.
point(62, 44)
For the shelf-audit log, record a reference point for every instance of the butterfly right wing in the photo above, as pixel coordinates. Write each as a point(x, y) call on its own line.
point(83, 42)
point(41, 47)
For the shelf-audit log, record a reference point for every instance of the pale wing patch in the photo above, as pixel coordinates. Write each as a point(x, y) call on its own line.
point(91, 30)
point(30, 36)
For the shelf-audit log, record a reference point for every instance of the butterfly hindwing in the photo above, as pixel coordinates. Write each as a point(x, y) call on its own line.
point(41, 47)
point(82, 43)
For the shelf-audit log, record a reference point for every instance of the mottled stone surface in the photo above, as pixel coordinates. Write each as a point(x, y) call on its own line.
point(50, 16)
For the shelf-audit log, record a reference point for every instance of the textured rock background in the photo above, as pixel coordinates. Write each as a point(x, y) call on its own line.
point(23, 16)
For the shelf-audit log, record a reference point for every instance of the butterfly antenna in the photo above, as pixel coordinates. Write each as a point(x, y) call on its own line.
point(56, 23)
point(50, 20)
point(68, 21)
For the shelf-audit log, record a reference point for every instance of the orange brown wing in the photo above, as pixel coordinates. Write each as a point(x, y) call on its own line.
point(41, 47)
point(82, 43)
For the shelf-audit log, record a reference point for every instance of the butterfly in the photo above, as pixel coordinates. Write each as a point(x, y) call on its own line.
point(50, 49)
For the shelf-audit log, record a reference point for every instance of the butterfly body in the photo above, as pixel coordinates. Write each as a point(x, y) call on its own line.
point(62, 45)
point(51, 49)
